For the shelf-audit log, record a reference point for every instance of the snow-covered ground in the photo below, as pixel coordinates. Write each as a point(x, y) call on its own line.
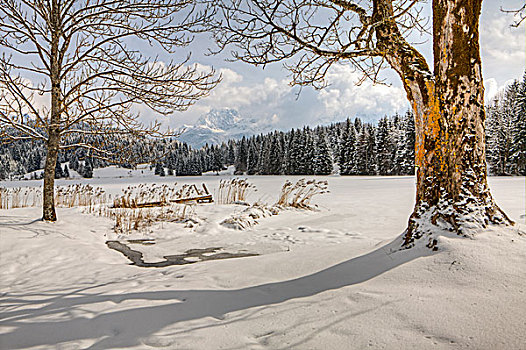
point(326, 279)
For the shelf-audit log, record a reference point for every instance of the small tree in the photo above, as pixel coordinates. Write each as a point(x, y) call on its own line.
point(158, 168)
point(81, 55)
point(448, 101)
point(87, 169)
point(58, 171)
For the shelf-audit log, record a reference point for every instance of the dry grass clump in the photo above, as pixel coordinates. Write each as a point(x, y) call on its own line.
point(80, 196)
point(141, 206)
point(299, 195)
point(233, 191)
point(65, 196)
point(20, 197)
point(249, 217)
point(154, 195)
point(128, 220)
point(134, 196)
point(296, 195)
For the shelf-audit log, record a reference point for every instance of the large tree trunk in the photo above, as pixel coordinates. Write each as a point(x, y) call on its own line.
point(452, 191)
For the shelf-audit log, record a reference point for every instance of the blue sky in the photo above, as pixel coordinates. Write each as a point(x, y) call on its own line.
point(266, 95)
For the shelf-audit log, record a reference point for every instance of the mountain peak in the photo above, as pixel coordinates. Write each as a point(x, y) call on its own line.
point(219, 119)
point(219, 125)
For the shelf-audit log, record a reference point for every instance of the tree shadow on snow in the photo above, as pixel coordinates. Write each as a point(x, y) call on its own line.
point(18, 221)
point(126, 328)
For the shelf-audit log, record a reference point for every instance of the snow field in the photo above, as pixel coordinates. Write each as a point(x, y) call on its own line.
point(326, 279)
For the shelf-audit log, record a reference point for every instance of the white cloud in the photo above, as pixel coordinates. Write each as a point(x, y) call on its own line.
point(344, 97)
point(38, 101)
point(273, 101)
point(502, 46)
point(260, 100)
point(232, 92)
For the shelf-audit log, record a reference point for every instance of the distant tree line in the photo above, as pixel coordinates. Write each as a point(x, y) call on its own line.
point(352, 147)
point(506, 131)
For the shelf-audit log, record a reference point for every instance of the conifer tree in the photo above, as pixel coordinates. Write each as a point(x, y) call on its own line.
point(252, 161)
point(241, 157)
point(519, 131)
point(264, 156)
point(58, 171)
point(275, 158)
point(307, 153)
point(408, 162)
point(348, 159)
point(322, 162)
point(295, 153)
point(87, 169)
point(385, 147)
point(158, 168)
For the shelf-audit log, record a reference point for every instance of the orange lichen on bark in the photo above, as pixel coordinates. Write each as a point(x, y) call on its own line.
point(419, 139)
point(432, 117)
point(431, 129)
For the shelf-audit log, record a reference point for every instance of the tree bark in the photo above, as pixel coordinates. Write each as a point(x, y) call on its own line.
point(53, 142)
point(48, 208)
point(452, 191)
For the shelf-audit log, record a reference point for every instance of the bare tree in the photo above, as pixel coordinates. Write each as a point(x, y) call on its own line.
point(313, 35)
point(81, 58)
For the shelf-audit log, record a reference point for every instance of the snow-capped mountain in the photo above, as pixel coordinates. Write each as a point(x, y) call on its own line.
point(220, 125)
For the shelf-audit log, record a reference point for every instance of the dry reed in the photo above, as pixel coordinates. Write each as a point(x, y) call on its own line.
point(299, 195)
point(233, 191)
point(65, 196)
point(128, 220)
point(20, 197)
point(133, 196)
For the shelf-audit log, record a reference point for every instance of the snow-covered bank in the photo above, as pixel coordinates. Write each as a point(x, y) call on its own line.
point(325, 279)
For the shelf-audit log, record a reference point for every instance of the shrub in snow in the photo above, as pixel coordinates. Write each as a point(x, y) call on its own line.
point(248, 217)
point(129, 219)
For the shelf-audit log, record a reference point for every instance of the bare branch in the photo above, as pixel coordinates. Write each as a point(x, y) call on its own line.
point(520, 13)
point(310, 36)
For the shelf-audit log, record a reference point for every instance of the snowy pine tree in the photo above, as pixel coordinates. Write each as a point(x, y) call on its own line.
point(386, 146)
point(519, 130)
point(58, 171)
point(322, 162)
point(241, 157)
